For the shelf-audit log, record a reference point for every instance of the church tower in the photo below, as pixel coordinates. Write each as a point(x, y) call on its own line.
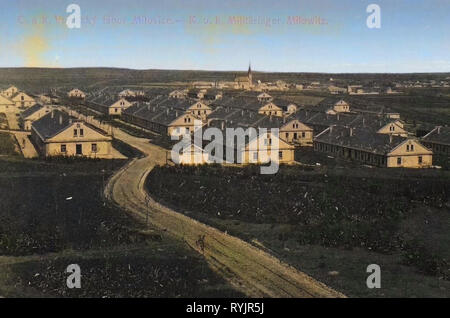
point(249, 74)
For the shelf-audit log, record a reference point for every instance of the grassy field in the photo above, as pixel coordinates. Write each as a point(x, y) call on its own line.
point(300, 98)
point(328, 219)
point(421, 107)
point(53, 214)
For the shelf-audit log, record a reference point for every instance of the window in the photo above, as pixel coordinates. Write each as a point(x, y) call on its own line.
point(255, 156)
point(81, 132)
point(75, 132)
point(420, 160)
point(115, 110)
point(94, 148)
point(280, 154)
point(412, 147)
point(303, 134)
point(407, 147)
point(287, 135)
point(399, 161)
point(63, 148)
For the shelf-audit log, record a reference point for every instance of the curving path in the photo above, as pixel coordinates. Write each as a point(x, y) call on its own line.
point(249, 269)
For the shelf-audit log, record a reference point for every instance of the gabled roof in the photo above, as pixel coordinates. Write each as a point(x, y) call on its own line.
point(234, 118)
point(173, 103)
point(281, 144)
point(30, 111)
point(360, 139)
point(56, 122)
point(5, 101)
point(282, 102)
point(118, 100)
point(271, 122)
point(323, 119)
point(52, 124)
point(341, 103)
point(13, 97)
point(157, 114)
point(373, 122)
point(194, 106)
point(288, 123)
point(76, 90)
point(439, 135)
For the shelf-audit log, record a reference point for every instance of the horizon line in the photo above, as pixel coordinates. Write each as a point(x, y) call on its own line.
point(205, 70)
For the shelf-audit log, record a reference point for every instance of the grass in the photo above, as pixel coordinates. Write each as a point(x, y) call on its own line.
point(398, 217)
point(52, 214)
point(423, 106)
point(157, 269)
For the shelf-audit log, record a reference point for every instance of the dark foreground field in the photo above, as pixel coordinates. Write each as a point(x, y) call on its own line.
point(329, 222)
point(52, 214)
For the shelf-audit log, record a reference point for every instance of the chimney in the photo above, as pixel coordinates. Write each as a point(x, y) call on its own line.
point(60, 119)
point(337, 116)
point(331, 129)
point(351, 131)
point(439, 130)
point(390, 138)
point(167, 111)
point(176, 113)
point(223, 125)
point(53, 114)
point(364, 121)
point(242, 113)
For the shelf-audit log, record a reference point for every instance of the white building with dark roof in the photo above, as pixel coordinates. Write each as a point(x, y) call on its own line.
point(58, 134)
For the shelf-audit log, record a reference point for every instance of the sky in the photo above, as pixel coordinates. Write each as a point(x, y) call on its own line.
point(200, 35)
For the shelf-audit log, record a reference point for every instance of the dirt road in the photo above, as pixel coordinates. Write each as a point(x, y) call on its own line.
point(249, 269)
